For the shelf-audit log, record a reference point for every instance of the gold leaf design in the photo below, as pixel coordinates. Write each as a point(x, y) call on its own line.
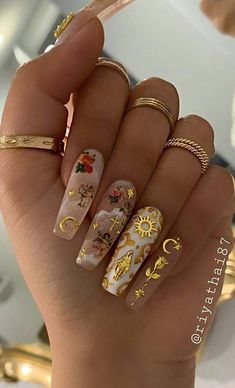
point(123, 265)
point(160, 263)
point(148, 272)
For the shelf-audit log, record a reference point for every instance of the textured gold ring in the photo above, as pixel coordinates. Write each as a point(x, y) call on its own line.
point(115, 66)
point(193, 147)
point(29, 141)
point(154, 103)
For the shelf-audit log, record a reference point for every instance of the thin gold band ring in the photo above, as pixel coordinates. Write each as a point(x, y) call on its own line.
point(115, 66)
point(154, 103)
point(29, 141)
point(193, 147)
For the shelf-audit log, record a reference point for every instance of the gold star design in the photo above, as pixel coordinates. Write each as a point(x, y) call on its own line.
point(177, 246)
point(131, 193)
point(83, 253)
point(139, 293)
point(95, 225)
point(72, 193)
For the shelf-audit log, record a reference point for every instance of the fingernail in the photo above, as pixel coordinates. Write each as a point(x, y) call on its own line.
point(79, 194)
point(133, 248)
point(154, 272)
point(114, 210)
point(103, 9)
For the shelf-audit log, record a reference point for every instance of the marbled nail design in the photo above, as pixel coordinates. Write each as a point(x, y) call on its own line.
point(133, 248)
point(79, 194)
point(108, 223)
point(154, 272)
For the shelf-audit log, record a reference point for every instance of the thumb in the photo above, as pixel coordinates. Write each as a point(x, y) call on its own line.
point(35, 103)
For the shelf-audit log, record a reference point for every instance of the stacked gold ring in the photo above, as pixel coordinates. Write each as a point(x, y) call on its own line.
point(29, 141)
point(154, 103)
point(115, 66)
point(193, 147)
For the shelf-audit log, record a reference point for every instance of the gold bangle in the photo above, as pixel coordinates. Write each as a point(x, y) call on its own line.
point(193, 147)
point(153, 103)
point(29, 141)
point(116, 66)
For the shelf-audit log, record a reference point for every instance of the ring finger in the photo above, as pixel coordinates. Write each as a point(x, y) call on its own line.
point(175, 176)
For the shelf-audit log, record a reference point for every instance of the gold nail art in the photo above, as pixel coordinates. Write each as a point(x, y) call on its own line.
point(123, 265)
point(133, 248)
point(139, 293)
point(69, 223)
point(145, 226)
point(72, 193)
point(83, 253)
point(112, 214)
point(115, 221)
point(62, 26)
point(79, 194)
point(176, 243)
point(159, 264)
point(131, 193)
point(95, 225)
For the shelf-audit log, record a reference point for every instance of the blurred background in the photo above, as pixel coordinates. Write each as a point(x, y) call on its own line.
point(191, 44)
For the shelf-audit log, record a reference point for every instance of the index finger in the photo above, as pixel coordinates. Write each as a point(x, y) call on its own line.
point(35, 103)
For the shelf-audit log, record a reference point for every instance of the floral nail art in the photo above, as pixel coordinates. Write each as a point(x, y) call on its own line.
point(79, 194)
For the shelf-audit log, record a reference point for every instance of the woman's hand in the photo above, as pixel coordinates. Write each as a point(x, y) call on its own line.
point(222, 14)
point(95, 336)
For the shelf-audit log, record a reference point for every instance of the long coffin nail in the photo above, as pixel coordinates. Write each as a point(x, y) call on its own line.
point(79, 194)
point(133, 248)
point(154, 272)
point(103, 9)
point(114, 210)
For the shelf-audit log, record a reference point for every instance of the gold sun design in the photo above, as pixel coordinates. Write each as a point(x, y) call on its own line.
point(145, 226)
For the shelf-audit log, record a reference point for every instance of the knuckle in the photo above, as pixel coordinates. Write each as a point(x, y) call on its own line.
point(101, 123)
point(165, 86)
point(202, 129)
point(224, 179)
point(145, 159)
point(201, 125)
point(159, 88)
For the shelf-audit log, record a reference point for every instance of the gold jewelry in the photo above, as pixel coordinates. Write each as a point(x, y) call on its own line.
point(149, 102)
point(29, 141)
point(114, 65)
point(193, 147)
point(62, 26)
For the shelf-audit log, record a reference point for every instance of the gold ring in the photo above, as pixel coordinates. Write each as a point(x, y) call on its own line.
point(149, 102)
point(29, 141)
point(116, 66)
point(193, 147)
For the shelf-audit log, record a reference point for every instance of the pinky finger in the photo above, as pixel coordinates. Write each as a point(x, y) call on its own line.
point(188, 235)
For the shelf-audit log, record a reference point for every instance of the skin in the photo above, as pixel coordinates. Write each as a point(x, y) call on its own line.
point(222, 14)
point(101, 337)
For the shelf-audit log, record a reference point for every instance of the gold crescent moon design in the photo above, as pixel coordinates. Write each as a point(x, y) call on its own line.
point(167, 242)
point(69, 218)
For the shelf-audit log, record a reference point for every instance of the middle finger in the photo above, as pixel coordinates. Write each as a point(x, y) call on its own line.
point(140, 143)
